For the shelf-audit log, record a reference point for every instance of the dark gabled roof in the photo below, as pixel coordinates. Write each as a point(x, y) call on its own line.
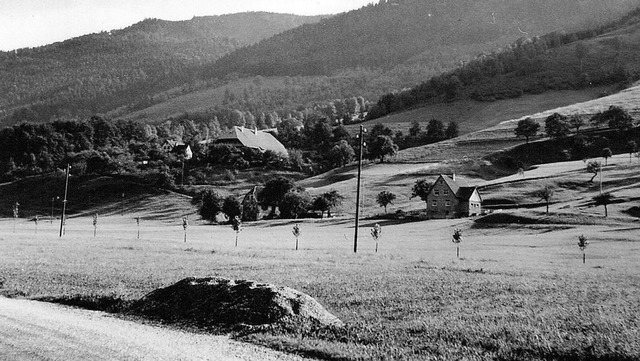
point(458, 187)
point(465, 192)
point(253, 138)
point(180, 148)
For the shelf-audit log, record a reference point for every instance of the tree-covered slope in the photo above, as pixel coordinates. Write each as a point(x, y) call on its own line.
point(396, 31)
point(99, 72)
point(602, 56)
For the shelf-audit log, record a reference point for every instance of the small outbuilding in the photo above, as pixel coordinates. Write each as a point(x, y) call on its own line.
point(180, 149)
point(183, 151)
point(452, 198)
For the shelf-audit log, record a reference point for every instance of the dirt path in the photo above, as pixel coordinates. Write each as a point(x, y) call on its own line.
point(31, 330)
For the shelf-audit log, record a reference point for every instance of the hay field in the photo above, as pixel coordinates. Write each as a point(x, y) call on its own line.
point(517, 292)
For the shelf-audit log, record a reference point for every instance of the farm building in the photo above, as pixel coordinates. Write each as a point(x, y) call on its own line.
point(451, 198)
point(183, 151)
point(179, 148)
point(252, 138)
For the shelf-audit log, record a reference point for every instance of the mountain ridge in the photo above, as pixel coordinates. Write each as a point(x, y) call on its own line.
point(99, 72)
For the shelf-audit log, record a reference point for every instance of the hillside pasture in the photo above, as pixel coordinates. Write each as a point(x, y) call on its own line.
point(518, 291)
point(473, 116)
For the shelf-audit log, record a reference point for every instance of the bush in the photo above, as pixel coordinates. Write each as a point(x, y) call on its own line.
point(232, 207)
point(210, 204)
point(294, 204)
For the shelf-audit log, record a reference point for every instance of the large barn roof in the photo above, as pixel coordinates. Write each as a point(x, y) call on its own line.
point(253, 138)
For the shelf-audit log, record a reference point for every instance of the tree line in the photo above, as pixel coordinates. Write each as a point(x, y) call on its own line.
point(573, 137)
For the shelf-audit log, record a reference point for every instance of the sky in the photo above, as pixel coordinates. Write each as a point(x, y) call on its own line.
point(31, 23)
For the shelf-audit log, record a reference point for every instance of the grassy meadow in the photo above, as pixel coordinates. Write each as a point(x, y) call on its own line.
point(517, 292)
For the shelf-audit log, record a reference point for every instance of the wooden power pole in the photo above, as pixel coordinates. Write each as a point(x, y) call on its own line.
point(355, 237)
point(64, 201)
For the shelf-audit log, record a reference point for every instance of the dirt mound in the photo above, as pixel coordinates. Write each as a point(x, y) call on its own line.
point(221, 302)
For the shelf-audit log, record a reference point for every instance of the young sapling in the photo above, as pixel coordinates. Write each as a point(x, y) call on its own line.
point(376, 232)
point(296, 233)
point(185, 225)
point(457, 238)
point(236, 224)
point(583, 243)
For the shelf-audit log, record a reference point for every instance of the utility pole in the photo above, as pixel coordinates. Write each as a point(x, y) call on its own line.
point(51, 219)
point(355, 237)
point(601, 170)
point(64, 202)
point(182, 174)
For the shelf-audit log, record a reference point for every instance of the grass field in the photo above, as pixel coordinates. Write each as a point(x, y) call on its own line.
point(473, 116)
point(517, 292)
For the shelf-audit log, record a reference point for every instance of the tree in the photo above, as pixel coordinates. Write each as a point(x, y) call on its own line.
point(527, 128)
point(597, 120)
point(232, 207)
point(341, 154)
point(452, 130)
point(376, 232)
point(289, 134)
point(606, 154)
point(603, 199)
point(576, 121)
point(421, 189)
point(295, 160)
point(95, 224)
point(16, 212)
point(296, 233)
point(594, 167)
point(415, 129)
point(185, 225)
point(327, 201)
point(294, 204)
point(582, 244)
point(236, 225)
point(381, 147)
point(274, 191)
point(632, 147)
point(379, 129)
point(545, 193)
point(210, 204)
point(556, 126)
point(617, 118)
point(435, 130)
point(340, 133)
point(457, 238)
point(385, 198)
point(318, 133)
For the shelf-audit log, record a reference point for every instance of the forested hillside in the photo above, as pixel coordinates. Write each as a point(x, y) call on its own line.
point(606, 55)
point(394, 32)
point(594, 57)
point(356, 56)
point(100, 72)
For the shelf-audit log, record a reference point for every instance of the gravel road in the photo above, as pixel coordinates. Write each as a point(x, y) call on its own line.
point(31, 330)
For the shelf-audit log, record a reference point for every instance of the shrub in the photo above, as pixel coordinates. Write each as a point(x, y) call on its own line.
point(210, 204)
point(294, 204)
point(232, 207)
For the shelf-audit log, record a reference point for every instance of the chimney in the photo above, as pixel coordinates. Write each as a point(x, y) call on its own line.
point(453, 176)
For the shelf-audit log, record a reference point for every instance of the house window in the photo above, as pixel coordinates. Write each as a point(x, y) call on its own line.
point(434, 203)
point(445, 192)
point(447, 203)
point(436, 192)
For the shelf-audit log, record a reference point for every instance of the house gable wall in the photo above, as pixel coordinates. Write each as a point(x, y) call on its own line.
point(444, 202)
